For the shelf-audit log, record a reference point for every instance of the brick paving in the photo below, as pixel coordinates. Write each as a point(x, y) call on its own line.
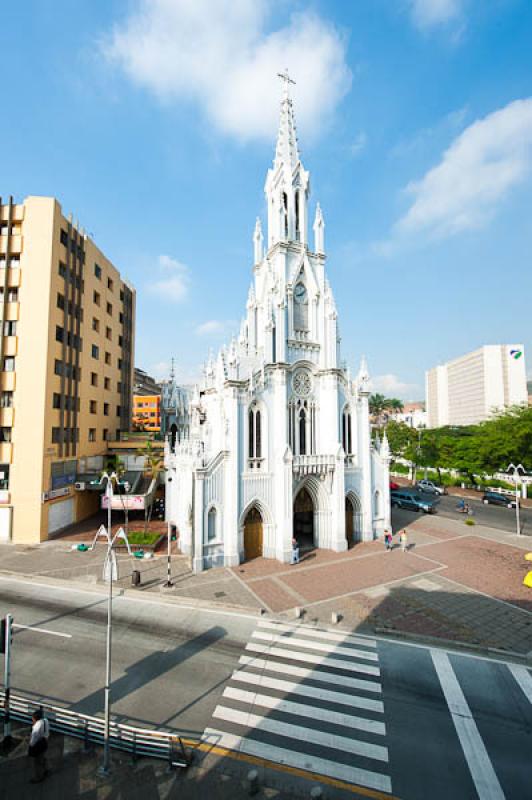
point(456, 582)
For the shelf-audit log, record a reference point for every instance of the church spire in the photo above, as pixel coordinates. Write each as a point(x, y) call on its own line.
point(286, 151)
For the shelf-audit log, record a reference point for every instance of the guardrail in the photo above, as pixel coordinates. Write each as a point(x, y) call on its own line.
point(137, 741)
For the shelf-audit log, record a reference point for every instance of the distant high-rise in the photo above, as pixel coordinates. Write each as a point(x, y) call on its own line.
point(471, 388)
point(66, 363)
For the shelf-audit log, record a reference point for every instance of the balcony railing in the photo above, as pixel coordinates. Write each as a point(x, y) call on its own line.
point(313, 464)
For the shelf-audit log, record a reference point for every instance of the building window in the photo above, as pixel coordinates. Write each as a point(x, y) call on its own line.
point(110, 284)
point(60, 301)
point(5, 435)
point(119, 362)
point(96, 298)
point(108, 358)
point(302, 432)
point(95, 324)
point(118, 410)
point(120, 341)
point(94, 379)
point(121, 317)
point(347, 437)
point(63, 269)
point(4, 476)
point(12, 295)
point(63, 237)
point(107, 384)
point(95, 351)
point(119, 386)
point(58, 367)
point(10, 327)
point(211, 524)
point(9, 364)
point(108, 333)
point(56, 435)
point(105, 434)
point(109, 308)
point(56, 401)
point(98, 271)
point(59, 333)
point(254, 433)
point(92, 434)
point(106, 409)
point(93, 406)
point(6, 400)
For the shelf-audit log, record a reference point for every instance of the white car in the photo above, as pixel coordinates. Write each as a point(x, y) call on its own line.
point(430, 487)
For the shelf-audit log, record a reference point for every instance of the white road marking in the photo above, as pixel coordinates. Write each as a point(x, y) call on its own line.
point(317, 633)
point(322, 766)
point(265, 682)
point(523, 678)
point(310, 658)
point(302, 710)
point(322, 647)
point(312, 673)
point(301, 734)
point(484, 777)
point(37, 629)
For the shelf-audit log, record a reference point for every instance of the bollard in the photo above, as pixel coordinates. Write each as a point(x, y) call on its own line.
point(253, 781)
point(298, 612)
point(316, 793)
point(335, 618)
point(135, 577)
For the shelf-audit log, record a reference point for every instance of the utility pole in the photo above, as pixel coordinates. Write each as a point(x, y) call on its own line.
point(8, 632)
point(516, 471)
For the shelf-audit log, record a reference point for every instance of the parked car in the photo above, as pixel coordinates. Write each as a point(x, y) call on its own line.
point(498, 499)
point(394, 485)
point(430, 487)
point(415, 502)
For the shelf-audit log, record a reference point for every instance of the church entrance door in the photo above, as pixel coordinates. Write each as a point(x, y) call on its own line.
point(353, 528)
point(253, 535)
point(304, 520)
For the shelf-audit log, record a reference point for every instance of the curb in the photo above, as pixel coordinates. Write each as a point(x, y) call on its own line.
point(153, 597)
point(450, 644)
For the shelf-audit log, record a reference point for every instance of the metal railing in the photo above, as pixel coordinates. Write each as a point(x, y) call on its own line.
point(137, 741)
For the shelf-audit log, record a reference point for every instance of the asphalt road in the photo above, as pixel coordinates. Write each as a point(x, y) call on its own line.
point(394, 718)
point(494, 516)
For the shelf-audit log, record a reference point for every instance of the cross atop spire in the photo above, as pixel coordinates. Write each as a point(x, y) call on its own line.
point(287, 80)
point(286, 151)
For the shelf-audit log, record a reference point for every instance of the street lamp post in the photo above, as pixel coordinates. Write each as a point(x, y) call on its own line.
point(516, 471)
point(110, 564)
point(168, 584)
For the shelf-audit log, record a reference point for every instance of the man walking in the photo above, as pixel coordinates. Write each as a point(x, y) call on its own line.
point(295, 551)
point(403, 538)
point(38, 746)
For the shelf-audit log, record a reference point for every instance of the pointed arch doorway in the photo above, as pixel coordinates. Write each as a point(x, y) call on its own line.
point(253, 534)
point(303, 525)
point(353, 520)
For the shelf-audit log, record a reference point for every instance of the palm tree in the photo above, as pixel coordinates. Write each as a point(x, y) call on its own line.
point(153, 464)
point(395, 404)
point(377, 404)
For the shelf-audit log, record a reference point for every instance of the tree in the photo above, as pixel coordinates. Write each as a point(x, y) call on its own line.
point(377, 404)
point(395, 404)
point(153, 464)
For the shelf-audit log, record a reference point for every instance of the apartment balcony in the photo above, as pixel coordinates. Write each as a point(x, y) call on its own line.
point(6, 451)
point(15, 244)
point(320, 465)
point(12, 311)
point(10, 345)
point(8, 381)
point(6, 417)
point(13, 277)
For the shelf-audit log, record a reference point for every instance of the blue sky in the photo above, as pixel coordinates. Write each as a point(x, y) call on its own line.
point(154, 122)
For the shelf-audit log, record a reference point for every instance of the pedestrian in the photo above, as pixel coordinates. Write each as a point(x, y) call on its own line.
point(40, 731)
point(403, 538)
point(388, 540)
point(295, 551)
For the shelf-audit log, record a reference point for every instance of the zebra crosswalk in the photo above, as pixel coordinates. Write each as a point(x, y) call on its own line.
point(309, 699)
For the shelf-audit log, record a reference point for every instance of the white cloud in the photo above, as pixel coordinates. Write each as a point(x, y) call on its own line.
point(358, 144)
point(431, 13)
point(174, 287)
point(211, 326)
point(391, 386)
point(221, 55)
point(477, 171)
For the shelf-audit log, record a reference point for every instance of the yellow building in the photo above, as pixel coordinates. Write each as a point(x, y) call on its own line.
point(68, 322)
point(147, 412)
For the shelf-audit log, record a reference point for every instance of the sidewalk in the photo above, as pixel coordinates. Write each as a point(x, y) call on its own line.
point(456, 582)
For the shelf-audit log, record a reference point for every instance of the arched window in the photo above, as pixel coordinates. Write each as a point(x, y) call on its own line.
point(302, 432)
point(285, 214)
point(296, 200)
point(251, 433)
point(347, 436)
point(211, 524)
point(257, 435)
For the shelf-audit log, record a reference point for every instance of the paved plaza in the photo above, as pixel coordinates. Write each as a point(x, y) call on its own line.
point(455, 582)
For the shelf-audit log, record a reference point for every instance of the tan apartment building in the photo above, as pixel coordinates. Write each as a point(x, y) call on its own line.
point(66, 358)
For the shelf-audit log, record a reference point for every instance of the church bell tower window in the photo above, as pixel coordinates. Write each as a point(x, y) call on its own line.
point(285, 215)
point(254, 438)
point(300, 307)
point(296, 200)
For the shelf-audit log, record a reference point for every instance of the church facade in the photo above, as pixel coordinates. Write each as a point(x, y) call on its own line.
point(278, 442)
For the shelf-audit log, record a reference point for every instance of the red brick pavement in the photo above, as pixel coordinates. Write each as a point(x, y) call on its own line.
point(273, 594)
point(484, 565)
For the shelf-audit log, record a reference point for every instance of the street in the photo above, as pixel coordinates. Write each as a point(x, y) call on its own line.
point(395, 718)
point(493, 516)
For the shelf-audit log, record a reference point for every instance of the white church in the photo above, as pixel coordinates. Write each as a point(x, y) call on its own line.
point(278, 443)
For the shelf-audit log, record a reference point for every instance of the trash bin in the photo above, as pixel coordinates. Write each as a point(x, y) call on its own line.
point(135, 577)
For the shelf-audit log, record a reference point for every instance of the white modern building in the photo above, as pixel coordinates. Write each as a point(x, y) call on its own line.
point(279, 442)
point(472, 388)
